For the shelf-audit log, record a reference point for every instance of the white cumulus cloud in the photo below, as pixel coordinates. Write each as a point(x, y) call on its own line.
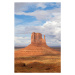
point(42, 14)
point(22, 41)
point(51, 29)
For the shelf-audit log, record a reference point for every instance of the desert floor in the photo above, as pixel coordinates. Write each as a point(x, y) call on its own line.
point(38, 64)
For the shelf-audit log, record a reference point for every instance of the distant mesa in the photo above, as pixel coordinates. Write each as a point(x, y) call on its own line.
point(38, 46)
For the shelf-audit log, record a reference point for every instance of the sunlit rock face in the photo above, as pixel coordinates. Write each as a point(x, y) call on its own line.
point(37, 47)
point(36, 38)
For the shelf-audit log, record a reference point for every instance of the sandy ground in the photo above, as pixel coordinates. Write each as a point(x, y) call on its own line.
point(38, 64)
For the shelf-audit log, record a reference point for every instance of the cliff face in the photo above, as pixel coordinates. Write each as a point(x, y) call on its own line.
point(36, 38)
point(37, 47)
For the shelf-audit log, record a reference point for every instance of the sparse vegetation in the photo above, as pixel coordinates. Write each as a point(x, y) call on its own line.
point(38, 64)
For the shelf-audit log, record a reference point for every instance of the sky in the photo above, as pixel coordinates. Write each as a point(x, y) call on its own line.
point(39, 17)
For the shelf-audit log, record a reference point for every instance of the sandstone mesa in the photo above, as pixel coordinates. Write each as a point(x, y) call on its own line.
point(37, 47)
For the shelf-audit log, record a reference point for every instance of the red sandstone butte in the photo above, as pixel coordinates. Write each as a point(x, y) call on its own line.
point(38, 46)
